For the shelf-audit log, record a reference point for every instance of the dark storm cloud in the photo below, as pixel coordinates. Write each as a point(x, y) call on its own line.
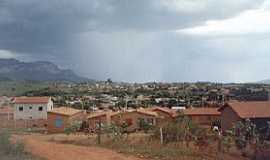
point(39, 26)
point(113, 38)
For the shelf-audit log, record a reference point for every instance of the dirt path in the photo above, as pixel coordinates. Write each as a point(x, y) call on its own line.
point(55, 151)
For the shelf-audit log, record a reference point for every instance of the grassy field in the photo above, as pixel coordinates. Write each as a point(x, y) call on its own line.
point(15, 88)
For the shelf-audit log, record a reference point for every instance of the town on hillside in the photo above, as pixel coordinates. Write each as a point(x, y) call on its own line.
point(134, 80)
point(171, 112)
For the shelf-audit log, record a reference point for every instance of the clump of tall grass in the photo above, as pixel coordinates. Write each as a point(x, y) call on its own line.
point(7, 147)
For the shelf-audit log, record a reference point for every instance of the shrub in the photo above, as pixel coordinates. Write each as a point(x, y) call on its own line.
point(145, 126)
point(6, 147)
point(113, 131)
point(183, 129)
point(226, 141)
point(244, 134)
point(73, 128)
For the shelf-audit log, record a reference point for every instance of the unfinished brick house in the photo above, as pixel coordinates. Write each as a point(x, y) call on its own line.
point(61, 118)
point(28, 108)
point(31, 112)
point(203, 116)
point(257, 112)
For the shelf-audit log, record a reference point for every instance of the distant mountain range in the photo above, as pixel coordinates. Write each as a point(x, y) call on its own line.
point(12, 69)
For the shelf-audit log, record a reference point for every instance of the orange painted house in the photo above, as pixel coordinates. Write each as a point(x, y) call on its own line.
point(60, 118)
point(132, 118)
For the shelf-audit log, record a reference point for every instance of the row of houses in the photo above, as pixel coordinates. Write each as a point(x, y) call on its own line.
point(225, 117)
point(30, 112)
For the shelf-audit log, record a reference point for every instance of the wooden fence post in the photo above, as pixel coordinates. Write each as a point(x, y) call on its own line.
point(161, 135)
point(99, 132)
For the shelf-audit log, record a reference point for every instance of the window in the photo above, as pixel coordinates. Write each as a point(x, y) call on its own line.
point(40, 108)
point(150, 121)
point(30, 107)
point(21, 108)
point(58, 122)
point(98, 123)
point(129, 121)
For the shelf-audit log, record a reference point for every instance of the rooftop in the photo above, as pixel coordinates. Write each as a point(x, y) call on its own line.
point(250, 109)
point(169, 111)
point(31, 100)
point(202, 111)
point(110, 113)
point(99, 114)
point(66, 111)
point(146, 112)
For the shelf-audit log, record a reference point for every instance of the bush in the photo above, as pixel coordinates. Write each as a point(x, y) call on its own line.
point(145, 126)
point(73, 128)
point(183, 129)
point(113, 131)
point(6, 147)
point(244, 134)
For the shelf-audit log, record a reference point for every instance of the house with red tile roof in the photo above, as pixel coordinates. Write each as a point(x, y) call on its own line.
point(166, 115)
point(131, 117)
point(32, 108)
point(202, 116)
point(257, 112)
point(62, 117)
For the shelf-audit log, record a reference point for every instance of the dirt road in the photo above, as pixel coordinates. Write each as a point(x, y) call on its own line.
point(55, 151)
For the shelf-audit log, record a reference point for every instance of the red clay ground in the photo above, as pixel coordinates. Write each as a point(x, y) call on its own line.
point(55, 151)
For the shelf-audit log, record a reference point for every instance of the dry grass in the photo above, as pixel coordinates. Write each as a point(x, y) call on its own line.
point(141, 145)
point(12, 150)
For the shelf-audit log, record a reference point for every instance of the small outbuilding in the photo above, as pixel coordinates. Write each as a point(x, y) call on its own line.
point(61, 118)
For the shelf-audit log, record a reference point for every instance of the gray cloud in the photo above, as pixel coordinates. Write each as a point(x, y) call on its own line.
point(124, 39)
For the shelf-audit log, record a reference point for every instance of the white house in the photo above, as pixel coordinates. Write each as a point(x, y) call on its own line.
point(27, 108)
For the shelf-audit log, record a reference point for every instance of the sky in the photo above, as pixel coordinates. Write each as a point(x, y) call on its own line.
point(142, 40)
